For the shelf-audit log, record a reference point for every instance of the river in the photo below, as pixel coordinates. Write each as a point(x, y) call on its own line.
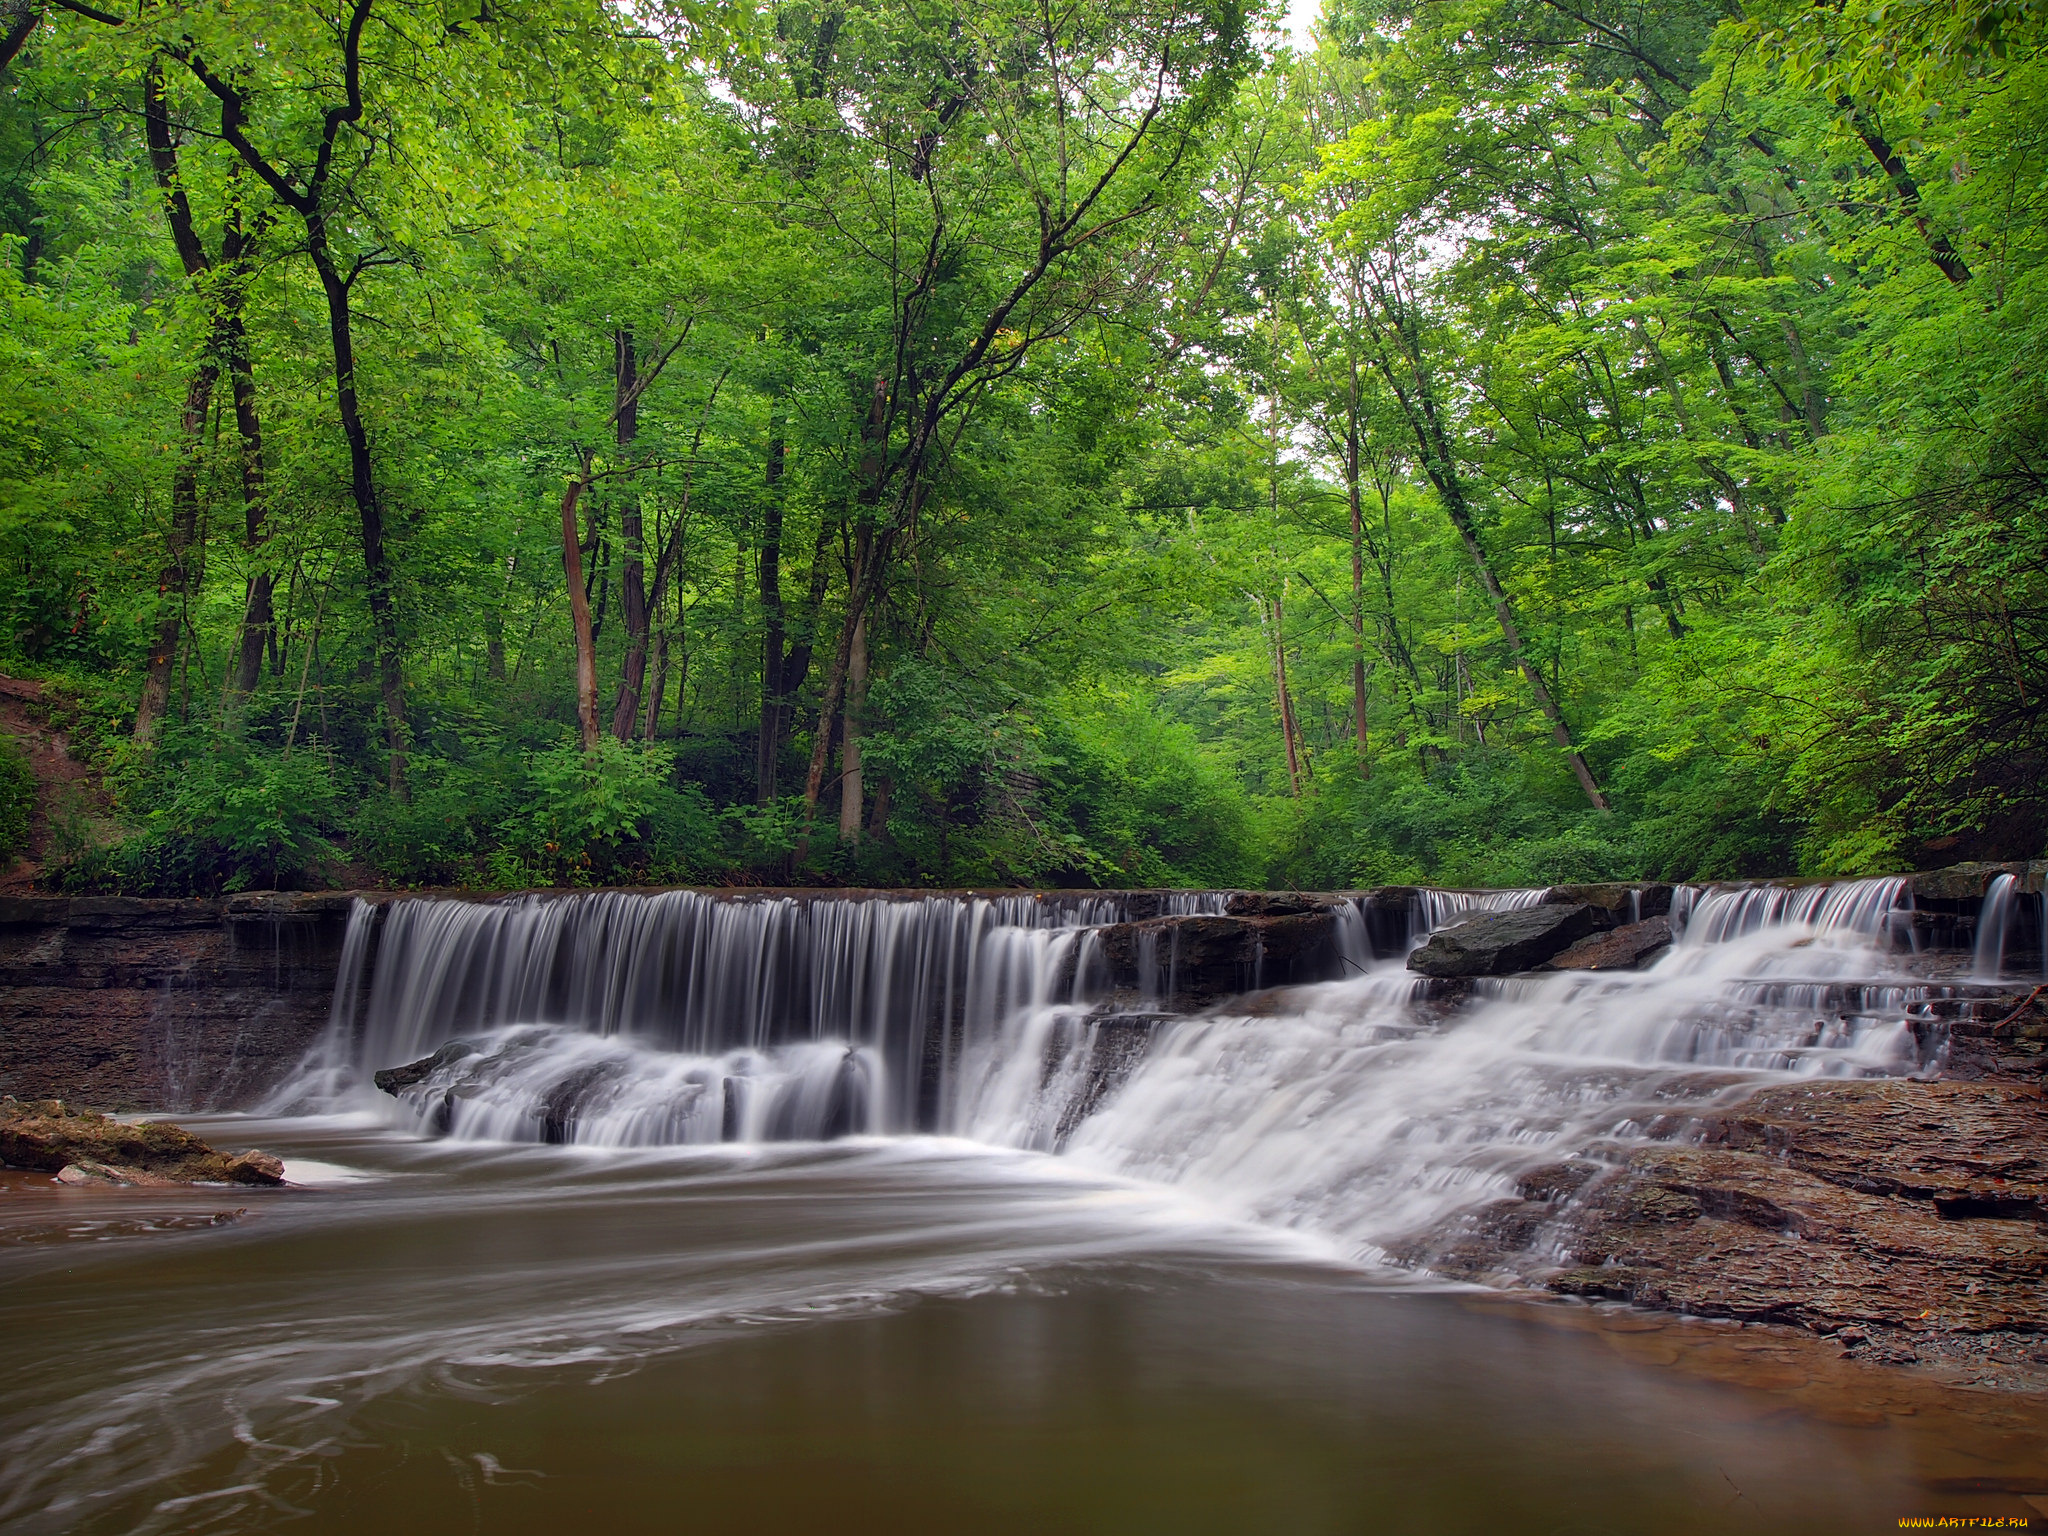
point(1180, 1302)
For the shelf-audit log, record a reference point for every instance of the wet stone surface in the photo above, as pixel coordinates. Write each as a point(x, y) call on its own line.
point(82, 1147)
point(1903, 1219)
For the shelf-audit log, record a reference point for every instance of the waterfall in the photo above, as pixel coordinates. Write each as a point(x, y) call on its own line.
point(2000, 904)
point(1371, 1115)
point(1366, 1109)
point(743, 997)
point(1862, 907)
point(1434, 909)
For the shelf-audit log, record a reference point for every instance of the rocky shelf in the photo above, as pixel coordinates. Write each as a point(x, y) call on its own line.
point(82, 1146)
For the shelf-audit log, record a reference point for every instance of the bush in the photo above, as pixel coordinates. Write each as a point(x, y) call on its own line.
point(613, 815)
point(226, 815)
point(17, 797)
point(444, 832)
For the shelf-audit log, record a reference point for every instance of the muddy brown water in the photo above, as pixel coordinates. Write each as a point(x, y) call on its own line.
point(901, 1336)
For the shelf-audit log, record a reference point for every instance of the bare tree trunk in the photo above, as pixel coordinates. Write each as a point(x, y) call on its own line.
point(1351, 475)
point(369, 506)
point(659, 689)
point(1280, 688)
point(768, 743)
point(871, 553)
point(633, 587)
point(866, 570)
point(259, 623)
point(851, 797)
point(309, 200)
point(174, 586)
point(878, 818)
point(579, 614)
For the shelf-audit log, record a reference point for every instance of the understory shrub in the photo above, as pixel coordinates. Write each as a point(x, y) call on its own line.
point(17, 797)
point(222, 814)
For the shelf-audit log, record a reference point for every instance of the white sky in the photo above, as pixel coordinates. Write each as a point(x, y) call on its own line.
point(1301, 15)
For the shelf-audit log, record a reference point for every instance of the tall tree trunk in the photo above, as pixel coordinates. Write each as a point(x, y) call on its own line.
point(851, 797)
point(768, 743)
point(1280, 689)
point(1351, 477)
point(174, 586)
point(633, 583)
point(871, 553)
point(259, 624)
point(1425, 419)
point(858, 588)
point(369, 507)
point(579, 614)
point(309, 200)
point(659, 689)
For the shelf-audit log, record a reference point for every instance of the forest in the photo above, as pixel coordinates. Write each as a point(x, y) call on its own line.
point(509, 443)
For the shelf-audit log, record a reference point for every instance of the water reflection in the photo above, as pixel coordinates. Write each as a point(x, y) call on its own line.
point(903, 1336)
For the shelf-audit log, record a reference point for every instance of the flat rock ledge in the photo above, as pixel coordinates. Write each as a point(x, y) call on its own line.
point(1907, 1220)
point(1627, 948)
point(83, 1147)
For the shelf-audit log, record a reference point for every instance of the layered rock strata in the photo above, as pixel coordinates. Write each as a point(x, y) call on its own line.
point(156, 1004)
point(1907, 1219)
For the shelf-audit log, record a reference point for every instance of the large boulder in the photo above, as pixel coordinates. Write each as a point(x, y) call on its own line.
point(1627, 948)
point(1500, 943)
point(49, 1135)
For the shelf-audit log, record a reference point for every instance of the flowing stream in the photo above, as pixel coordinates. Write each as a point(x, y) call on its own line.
point(905, 1214)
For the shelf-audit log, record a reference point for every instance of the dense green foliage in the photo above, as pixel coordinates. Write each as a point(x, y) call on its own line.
point(17, 796)
point(1510, 441)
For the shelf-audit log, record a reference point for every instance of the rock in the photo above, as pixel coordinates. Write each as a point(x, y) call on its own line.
point(48, 1135)
point(392, 1079)
point(1969, 1150)
point(1967, 882)
point(86, 1171)
point(254, 1167)
point(134, 1004)
point(1623, 903)
point(1278, 903)
point(1184, 962)
point(1499, 943)
point(1629, 947)
point(1899, 1216)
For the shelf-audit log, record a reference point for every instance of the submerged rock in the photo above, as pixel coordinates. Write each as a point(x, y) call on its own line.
point(81, 1147)
point(1499, 943)
point(1627, 948)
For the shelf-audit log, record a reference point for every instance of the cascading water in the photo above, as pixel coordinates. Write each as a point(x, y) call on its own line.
point(1367, 1110)
point(764, 1017)
point(1436, 909)
point(1993, 918)
point(1370, 1115)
